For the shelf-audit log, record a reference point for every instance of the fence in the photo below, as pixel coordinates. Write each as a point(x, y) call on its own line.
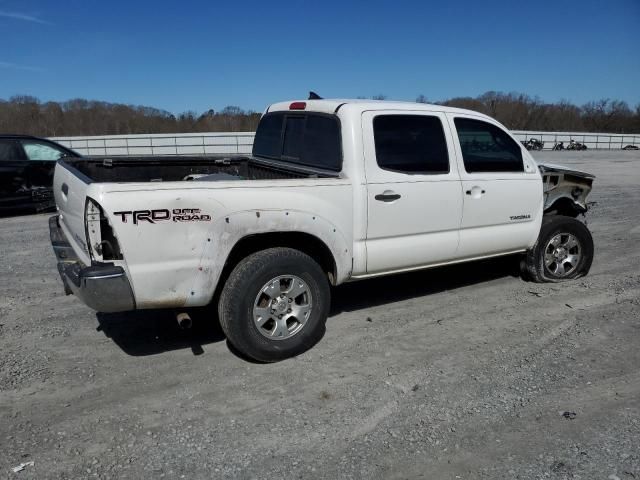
point(597, 141)
point(161, 144)
point(241, 142)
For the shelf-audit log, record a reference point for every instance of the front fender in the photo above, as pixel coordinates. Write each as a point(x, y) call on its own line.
point(564, 183)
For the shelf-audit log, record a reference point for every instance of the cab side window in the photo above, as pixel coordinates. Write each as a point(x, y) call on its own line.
point(412, 144)
point(41, 151)
point(487, 148)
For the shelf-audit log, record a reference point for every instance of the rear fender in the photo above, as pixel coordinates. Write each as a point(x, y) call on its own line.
point(227, 231)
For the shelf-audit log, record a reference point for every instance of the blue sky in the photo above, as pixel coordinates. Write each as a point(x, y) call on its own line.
point(196, 55)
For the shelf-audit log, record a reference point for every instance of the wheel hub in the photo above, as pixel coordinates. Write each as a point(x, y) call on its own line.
point(281, 306)
point(560, 253)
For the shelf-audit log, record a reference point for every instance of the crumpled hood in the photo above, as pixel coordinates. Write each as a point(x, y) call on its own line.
point(562, 184)
point(550, 167)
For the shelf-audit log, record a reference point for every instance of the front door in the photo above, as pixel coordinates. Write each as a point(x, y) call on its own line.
point(413, 190)
point(502, 189)
point(42, 158)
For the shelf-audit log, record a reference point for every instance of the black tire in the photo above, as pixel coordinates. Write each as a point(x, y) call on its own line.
point(241, 292)
point(535, 267)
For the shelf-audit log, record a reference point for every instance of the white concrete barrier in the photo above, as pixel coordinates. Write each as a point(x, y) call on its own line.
point(238, 143)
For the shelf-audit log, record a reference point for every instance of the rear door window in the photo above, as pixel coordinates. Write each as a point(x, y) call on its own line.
point(411, 144)
point(487, 148)
point(309, 139)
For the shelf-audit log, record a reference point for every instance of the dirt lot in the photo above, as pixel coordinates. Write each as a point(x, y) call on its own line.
point(460, 372)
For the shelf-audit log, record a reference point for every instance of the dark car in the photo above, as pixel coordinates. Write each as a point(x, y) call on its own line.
point(26, 171)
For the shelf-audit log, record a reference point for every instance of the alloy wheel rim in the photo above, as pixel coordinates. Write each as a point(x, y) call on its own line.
point(562, 254)
point(282, 307)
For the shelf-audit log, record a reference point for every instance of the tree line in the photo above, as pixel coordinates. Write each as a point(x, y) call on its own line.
point(518, 111)
point(28, 115)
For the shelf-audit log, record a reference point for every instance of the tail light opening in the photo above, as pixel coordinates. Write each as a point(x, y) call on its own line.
point(101, 240)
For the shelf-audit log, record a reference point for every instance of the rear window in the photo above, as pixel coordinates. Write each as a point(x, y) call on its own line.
point(308, 139)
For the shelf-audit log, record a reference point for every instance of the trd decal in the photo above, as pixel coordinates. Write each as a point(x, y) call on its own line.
point(189, 215)
point(520, 217)
point(153, 216)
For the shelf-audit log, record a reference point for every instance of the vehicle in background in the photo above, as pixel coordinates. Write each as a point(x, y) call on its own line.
point(533, 144)
point(630, 147)
point(26, 172)
point(558, 146)
point(573, 145)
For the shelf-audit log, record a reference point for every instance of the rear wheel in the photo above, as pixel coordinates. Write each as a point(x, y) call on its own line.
point(274, 305)
point(564, 251)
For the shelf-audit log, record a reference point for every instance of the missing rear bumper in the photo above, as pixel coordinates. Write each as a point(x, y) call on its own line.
point(102, 287)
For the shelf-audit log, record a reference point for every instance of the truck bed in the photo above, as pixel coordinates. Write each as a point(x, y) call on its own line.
point(172, 169)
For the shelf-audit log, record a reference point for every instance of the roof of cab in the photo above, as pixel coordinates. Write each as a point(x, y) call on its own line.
point(333, 105)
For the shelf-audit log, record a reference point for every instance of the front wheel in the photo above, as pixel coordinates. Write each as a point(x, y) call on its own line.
point(563, 251)
point(274, 305)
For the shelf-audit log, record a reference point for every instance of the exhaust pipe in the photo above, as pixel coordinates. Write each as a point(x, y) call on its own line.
point(184, 320)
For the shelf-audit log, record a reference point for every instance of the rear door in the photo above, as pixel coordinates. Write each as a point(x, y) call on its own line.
point(502, 189)
point(14, 184)
point(413, 190)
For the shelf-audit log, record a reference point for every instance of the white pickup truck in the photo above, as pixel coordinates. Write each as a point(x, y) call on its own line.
point(334, 191)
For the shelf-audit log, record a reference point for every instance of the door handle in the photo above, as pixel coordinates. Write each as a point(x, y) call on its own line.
point(65, 189)
point(387, 196)
point(475, 191)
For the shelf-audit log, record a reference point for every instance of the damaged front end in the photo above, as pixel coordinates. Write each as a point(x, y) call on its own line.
point(565, 190)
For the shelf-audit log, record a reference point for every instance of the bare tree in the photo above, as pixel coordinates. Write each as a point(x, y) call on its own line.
point(607, 115)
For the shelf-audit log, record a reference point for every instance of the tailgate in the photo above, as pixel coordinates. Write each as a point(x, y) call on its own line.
point(70, 192)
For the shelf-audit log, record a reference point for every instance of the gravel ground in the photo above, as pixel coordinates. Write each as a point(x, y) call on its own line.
point(463, 372)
